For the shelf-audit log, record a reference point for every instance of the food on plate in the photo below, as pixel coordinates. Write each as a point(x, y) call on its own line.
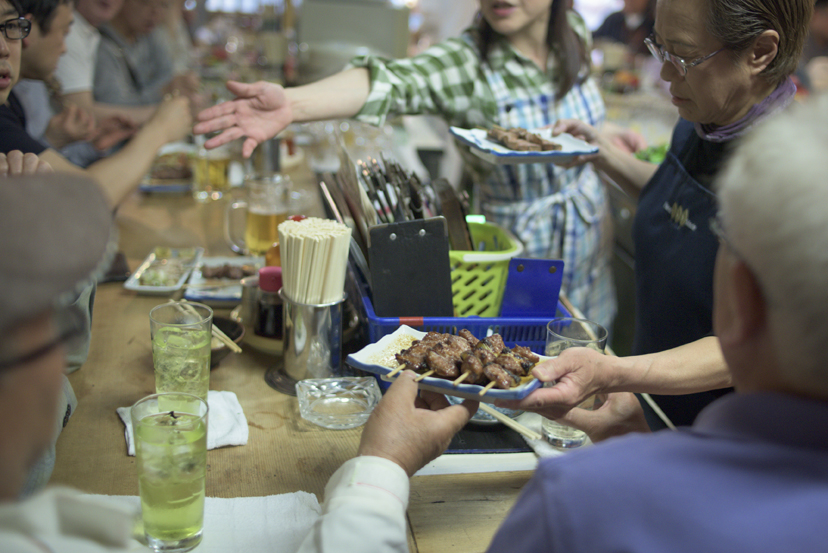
point(163, 272)
point(521, 140)
point(228, 270)
point(463, 357)
point(173, 166)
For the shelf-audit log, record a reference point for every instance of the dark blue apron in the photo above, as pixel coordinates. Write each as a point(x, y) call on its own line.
point(675, 253)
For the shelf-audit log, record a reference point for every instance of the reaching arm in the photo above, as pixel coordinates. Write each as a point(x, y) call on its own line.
point(262, 110)
point(85, 100)
point(580, 372)
point(121, 172)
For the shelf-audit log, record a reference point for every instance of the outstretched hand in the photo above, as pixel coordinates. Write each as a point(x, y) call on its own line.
point(577, 373)
point(17, 163)
point(412, 430)
point(260, 111)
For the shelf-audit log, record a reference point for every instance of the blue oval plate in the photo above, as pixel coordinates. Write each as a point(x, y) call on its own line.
point(378, 358)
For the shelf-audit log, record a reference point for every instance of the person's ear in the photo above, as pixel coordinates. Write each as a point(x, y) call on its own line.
point(748, 308)
point(27, 41)
point(764, 51)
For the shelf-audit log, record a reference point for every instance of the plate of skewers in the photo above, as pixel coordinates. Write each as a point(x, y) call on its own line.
point(457, 365)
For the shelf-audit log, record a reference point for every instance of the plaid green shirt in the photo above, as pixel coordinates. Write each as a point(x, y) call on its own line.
point(557, 213)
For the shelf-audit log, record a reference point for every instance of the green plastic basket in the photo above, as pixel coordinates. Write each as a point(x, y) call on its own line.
point(479, 277)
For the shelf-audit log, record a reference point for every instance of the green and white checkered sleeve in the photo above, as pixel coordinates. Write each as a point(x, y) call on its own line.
point(438, 81)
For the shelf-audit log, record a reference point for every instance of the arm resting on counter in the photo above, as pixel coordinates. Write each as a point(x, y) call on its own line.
point(364, 509)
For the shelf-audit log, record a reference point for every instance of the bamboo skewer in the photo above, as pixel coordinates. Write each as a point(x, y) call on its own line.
point(422, 376)
point(393, 373)
point(488, 387)
point(461, 378)
point(511, 423)
point(217, 332)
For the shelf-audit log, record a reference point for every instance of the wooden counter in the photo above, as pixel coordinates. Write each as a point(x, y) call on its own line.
point(284, 453)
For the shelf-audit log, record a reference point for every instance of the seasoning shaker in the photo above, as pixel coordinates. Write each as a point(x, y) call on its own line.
point(269, 319)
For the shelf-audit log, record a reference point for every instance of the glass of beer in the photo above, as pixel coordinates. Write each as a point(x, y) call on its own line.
point(564, 333)
point(211, 173)
point(266, 206)
point(170, 433)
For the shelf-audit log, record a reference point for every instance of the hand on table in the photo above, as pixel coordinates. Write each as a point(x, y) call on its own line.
point(260, 111)
point(113, 130)
point(410, 430)
point(72, 124)
point(17, 163)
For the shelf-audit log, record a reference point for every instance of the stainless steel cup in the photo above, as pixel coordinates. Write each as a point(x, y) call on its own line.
point(312, 343)
point(249, 302)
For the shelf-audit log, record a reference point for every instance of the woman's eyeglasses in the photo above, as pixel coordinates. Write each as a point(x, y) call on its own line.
point(16, 29)
point(662, 55)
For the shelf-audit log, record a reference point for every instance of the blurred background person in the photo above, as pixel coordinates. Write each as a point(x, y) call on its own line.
point(813, 66)
point(134, 66)
point(630, 26)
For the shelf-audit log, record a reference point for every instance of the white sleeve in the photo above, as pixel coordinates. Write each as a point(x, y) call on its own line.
point(76, 67)
point(364, 509)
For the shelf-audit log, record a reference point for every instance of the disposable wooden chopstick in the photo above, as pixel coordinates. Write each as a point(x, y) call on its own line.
point(217, 332)
point(650, 401)
point(511, 423)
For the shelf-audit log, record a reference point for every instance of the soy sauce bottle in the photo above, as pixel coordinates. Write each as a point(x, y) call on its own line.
point(269, 321)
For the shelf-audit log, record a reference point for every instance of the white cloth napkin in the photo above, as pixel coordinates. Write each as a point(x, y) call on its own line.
point(249, 524)
point(226, 423)
point(541, 447)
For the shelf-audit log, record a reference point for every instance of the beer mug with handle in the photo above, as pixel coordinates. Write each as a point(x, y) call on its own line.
point(268, 200)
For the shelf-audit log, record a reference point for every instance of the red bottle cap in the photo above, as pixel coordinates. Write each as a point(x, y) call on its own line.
point(270, 279)
point(297, 218)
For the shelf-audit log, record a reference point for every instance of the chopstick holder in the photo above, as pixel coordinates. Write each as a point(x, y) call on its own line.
point(226, 423)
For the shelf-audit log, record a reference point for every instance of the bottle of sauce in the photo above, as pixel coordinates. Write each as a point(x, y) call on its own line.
point(269, 321)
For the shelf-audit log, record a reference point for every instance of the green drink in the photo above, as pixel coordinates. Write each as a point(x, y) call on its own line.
point(170, 432)
point(181, 335)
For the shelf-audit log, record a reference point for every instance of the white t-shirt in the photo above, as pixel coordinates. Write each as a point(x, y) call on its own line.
point(76, 68)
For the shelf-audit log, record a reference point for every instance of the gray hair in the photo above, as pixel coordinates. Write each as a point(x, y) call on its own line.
point(773, 195)
point(738, 23)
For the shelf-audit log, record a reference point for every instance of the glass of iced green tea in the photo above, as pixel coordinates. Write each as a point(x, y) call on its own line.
point(181, 334)
point(170, 433)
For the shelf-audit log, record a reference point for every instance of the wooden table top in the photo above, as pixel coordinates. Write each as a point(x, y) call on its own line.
point(284, 453)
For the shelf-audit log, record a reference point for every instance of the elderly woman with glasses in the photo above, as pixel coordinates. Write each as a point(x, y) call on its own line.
point(728, 64)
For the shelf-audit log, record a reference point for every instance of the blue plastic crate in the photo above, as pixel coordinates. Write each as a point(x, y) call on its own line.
point(530, 332)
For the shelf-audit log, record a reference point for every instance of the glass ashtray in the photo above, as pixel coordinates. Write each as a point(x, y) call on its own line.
point(337, 403)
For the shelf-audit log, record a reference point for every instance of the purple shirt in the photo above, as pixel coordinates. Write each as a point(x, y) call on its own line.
point(750, 475)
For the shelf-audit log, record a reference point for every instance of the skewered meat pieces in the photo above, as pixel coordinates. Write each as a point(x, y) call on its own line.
point(502, 378)
point(468, 336)
point(414, 357)
point(521, 140)
point(441, 365)
point(526, 353)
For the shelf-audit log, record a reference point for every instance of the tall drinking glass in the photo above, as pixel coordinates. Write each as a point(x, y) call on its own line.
point(561, 334)
point(170, 432)
point(181, 336)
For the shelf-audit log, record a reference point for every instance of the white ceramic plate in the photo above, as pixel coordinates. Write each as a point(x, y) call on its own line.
point(218, 290)
point(498, 154)
point(378, 358)
point(134, 281)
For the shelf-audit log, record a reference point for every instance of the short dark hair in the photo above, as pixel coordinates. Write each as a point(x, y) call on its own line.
point(43, 11)
point(737, 23)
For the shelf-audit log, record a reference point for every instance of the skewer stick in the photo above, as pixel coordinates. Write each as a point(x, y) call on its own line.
point(422, 376)
point(461, 378)
point(393, 373)
point(222, 337)
point(488, 387)
point(511, 423)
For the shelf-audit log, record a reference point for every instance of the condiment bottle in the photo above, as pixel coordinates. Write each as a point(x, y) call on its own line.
point(269, 322)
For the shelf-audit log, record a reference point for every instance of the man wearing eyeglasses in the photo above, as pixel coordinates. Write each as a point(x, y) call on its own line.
point(118, 174)
point(54, 235)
